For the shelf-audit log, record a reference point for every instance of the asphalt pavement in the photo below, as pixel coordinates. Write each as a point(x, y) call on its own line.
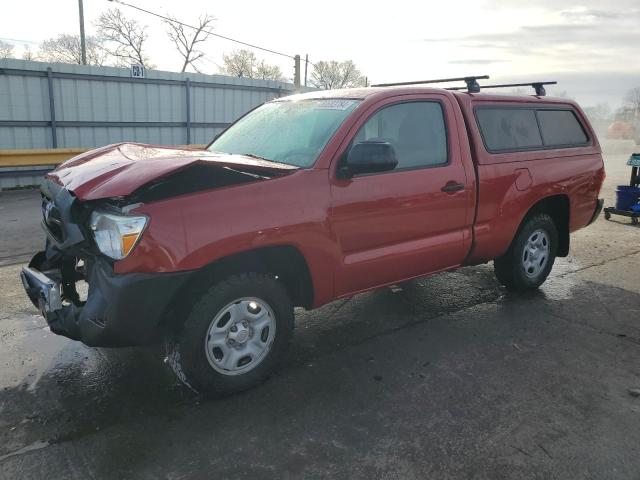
point(451, 377)
point(20, 232)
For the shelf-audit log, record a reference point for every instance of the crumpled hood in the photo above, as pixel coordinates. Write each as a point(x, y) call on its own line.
point(118, 170)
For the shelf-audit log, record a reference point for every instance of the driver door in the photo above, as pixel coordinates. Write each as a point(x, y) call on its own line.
point(400, 224)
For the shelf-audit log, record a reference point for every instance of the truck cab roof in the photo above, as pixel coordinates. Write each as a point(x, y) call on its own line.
point(376, 93)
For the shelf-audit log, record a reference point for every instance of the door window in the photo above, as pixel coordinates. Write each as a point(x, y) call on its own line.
point(415, 129)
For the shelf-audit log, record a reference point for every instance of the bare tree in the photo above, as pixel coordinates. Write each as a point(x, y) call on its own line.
point(243, 63)
point(239, 63)
point(599, 113)
point(186, 42)
point(631, 100)
point(6, 50)
point(66, 48)
point(332, 74)
point(264, 71)
point(27, 54)
point(123, 38)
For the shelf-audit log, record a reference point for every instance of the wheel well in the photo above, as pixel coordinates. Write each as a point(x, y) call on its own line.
point(285, 262)
point(556, 206)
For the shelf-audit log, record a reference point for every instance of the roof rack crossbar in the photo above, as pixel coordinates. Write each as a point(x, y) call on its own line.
point(537, 86)
point(471, 81)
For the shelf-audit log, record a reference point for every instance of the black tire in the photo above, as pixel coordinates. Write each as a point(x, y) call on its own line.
point(186, 352)
point(509, 269)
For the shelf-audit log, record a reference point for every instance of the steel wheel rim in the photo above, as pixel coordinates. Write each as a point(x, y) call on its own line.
point(240, 336)
point(535, 255)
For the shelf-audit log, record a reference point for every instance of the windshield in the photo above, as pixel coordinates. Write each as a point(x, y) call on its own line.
point(286, 131)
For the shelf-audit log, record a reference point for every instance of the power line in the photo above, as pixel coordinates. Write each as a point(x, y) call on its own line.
point(208, 60)
point(204, 30)
point(17, 40)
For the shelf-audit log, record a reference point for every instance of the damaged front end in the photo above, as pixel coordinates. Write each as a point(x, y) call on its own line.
point(88, 207)
point(117, 309)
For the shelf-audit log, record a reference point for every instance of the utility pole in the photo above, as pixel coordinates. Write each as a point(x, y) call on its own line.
point(306, 66)
point(83, 46)
point(296, 72)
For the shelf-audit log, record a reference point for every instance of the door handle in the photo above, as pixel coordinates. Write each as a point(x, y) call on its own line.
point(452, 187)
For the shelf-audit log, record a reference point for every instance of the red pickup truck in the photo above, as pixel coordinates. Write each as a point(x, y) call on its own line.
point(304, 200)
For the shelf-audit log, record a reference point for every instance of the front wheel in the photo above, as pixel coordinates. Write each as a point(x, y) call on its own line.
point(530, 258)
point(234, 336)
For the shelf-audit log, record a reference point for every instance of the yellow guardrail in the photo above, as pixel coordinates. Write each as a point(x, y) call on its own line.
point(43, 156)
point(37, 157)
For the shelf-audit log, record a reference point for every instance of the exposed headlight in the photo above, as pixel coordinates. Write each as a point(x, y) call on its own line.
point(116, 235)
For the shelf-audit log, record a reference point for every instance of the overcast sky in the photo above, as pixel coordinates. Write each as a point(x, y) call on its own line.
point(591, 47)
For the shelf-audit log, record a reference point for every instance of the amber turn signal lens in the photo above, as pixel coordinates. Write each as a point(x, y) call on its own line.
point(128, 242)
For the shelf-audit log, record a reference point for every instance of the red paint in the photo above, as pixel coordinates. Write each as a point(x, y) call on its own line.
point(523, 179)
point(119, 169)
point(360, 233)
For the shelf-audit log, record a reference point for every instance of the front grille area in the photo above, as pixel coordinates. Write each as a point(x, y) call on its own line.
point(52, 219)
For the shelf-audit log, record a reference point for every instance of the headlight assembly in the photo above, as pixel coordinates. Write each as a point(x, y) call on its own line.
point(116, 235)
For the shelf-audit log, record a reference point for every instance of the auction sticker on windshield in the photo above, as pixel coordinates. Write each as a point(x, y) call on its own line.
point(334, 104)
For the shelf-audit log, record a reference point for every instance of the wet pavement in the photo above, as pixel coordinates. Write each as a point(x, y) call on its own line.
point(20, 213)
point(450, 377)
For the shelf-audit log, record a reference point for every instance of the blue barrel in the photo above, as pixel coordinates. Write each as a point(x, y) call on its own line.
point(627, 196)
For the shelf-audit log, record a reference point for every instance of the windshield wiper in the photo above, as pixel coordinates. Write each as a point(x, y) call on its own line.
point(258, 157)
point(253, 155)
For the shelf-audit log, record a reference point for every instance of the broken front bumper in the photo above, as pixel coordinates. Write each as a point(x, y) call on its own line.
point(120, 310)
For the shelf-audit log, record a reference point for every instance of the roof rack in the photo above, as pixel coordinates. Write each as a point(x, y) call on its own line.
point(472, 84)
point(471, 81)
point(537, 86)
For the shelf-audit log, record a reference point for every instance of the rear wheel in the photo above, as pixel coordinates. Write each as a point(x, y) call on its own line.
point(234, 336)
point(530, 258)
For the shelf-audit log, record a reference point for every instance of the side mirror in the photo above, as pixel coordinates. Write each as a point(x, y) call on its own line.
point(369, 157)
